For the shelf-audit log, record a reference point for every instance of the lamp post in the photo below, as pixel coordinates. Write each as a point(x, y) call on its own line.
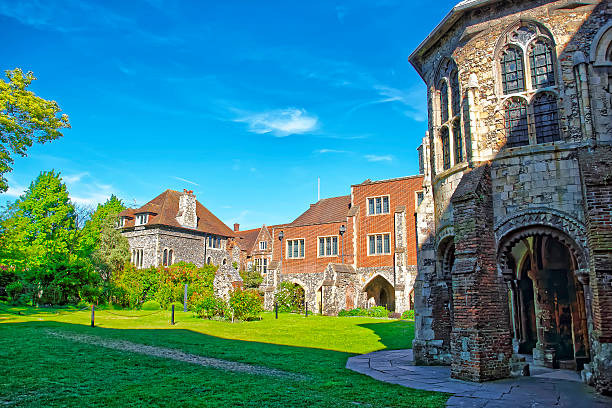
point(281, 235)
point(342, 231)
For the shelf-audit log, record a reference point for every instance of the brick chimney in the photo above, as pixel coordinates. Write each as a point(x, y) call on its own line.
point(186, 215)
point(236, 227)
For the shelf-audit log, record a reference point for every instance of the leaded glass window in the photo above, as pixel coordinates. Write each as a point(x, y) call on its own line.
point(541, 61)
point(444, 101)
point(444, 138)
point(546, 118)
point(455, 93)
point(458, 142)
point(512, 71)
point(517, 131)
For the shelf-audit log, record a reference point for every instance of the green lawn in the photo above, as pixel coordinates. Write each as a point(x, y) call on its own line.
point(39, 369)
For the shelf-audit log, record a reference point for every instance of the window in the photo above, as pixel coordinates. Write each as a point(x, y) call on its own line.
point(328, 246)
point(120, 222)
point(170, 257)
point(458, 142)
point(421, 160)
point(142, 219)
point(444, 101)
point(545, 115)
point(138, 257)
point(165, 258)
point(445, 148)
point(512, 71)
point(517, 133)
point(379, 244)
point(455, 93)
point(466, 128)
point(295, 248)
point(378, 205)
point(261, 265)
point(263, 245)
point(224, 262)
point(541, 61)
point(214, 242)
point(420, 196)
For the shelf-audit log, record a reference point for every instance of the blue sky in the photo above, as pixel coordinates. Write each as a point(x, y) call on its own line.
point(244, 102)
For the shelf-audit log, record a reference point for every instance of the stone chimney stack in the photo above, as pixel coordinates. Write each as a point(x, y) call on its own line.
point(236, 227)
point(187, 210)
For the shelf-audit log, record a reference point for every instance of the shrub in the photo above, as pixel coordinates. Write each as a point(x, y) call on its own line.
point(246, 304)
point(208, 306)
point(408, 315)
point(150, 305)
point(290, 297)
point(376, 311)
point(251, 279)
point(14, 290)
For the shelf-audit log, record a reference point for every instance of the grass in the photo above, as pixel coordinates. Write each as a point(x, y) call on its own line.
point(41, 370)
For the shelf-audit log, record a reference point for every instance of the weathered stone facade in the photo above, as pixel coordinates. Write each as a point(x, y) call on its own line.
point(514, 230)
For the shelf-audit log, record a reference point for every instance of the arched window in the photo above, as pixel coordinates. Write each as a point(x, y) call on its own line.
point(455, 93)
point(444, 101)
point(170, 257)
point(541, 61)
point(546, 118)
point(517, 131)
point(444, 138)
point(209, 260)
point(165, 258)
point(512, 70)
point(466, 128)
point(224, 261)
point(458, 142)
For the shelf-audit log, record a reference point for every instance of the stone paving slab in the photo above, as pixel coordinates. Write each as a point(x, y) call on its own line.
point(548, 388)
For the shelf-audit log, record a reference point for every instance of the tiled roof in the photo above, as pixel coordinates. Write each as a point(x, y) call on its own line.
point(246, 239)
point(164, 209)
point(325, 211)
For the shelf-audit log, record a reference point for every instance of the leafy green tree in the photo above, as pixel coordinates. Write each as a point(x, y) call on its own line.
point(112, 251)
point(40, 225)
point(24, 118)
point(91, 234)
point(251, 279)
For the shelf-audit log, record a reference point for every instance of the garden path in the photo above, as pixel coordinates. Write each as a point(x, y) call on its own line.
point(174, 354)
point(545, 388)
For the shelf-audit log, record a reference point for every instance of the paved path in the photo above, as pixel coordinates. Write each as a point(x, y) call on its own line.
point(545, 388)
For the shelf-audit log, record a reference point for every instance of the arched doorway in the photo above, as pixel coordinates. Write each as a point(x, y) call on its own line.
point(442, 292)
point(548, 310)
point(380, 293)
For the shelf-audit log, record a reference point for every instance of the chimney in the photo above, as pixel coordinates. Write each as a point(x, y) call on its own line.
point(186, 215)
point(236, 227)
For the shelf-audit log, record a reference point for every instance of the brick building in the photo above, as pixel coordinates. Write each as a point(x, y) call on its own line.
point(351, 251)
point(515, 227)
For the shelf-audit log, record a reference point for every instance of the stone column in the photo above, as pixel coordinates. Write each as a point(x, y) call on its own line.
point(544, 353)
point(481, 343)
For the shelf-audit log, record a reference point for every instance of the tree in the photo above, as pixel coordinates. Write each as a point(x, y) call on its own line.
point(40, 226)
point(91, 234)
point(24, 118)
point(113, 249)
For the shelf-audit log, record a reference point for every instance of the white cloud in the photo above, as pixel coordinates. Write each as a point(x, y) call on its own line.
point(323, 151)
point(186, 181)
point(281, 122)
point(74, 178)
point(376, 158)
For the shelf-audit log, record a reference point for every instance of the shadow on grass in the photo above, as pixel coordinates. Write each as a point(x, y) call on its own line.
point(394, 335)
point(49, 371)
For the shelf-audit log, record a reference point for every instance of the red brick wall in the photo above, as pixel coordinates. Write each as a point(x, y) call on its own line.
point(402, 192)
point(310, 233)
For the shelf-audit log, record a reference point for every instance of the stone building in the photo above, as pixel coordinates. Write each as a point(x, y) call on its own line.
point(515, 227)
point(176, 227)
point(351, 251)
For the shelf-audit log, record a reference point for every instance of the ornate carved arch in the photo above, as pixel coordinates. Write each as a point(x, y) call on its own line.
point(542, 221)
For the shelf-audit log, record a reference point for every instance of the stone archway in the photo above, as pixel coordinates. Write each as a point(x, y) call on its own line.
point(380, 293)
point(547, 307)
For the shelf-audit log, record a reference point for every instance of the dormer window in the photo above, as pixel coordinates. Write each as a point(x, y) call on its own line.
point(263, 245)
point(142, 219)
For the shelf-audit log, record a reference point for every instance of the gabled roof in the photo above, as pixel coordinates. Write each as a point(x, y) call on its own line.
point(163, 210)
point(447, 22)
point(246, 239)
point(325, 211)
